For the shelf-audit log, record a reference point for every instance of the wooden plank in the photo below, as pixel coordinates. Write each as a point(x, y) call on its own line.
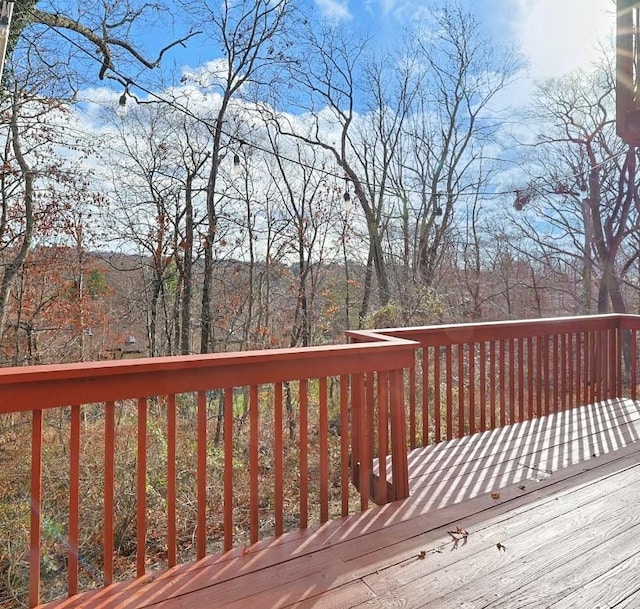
point(141, 491)
point(478, 570)
point(437, 415)
point(54, 385)
point(254, 464)
point(610, 589)
point(201, 474)
point(512, 500)
point(437, 579)
point(74, 501)
point(632, 601)
point(172, 550)
point(344, 445)
point(227, 507)
point(344, 597)
point(425, 463)
point(35, 523)
point(324, 450)
point(278, 459)
point(559, 571)
point(109, 482)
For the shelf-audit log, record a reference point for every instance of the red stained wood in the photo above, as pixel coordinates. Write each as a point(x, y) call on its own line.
point(449, 381)
point(172, 554)
point(380, 491)
point(323, 414)
point(36, 508)
point(74, 500)
point(304, 464)
point(109, 479)
point(254, 446)
point(521, 386)
point(399, 447)
point(548, 369)
point(483, 385)
point(278, 460)
point(201, 475)
point(472, 388)
point(326, 567)
point(437, 415)
point(492, 384)
point(141, 495)
point(344, 443)
point(634, 364)
point(228, 468)
point(502, 355)
point(413, 386)
point(512, 381)
point(461, 393)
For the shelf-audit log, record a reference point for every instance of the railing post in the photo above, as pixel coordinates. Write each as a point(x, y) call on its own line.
point(399, 461)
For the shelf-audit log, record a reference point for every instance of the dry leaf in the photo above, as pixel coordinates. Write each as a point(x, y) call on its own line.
point(422, 555)
point(459, 535)
point(501, 547)
point(522, 487)
point(495, 495)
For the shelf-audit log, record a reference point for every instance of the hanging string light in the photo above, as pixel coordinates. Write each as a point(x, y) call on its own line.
point(237, 167)
point(122, 105)
point(346, 196)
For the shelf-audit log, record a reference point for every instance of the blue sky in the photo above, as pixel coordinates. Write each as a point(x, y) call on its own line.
point(555, 36)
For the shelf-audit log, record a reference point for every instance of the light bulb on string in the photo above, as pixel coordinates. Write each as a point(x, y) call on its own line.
point(237, 168)
point(122, 105)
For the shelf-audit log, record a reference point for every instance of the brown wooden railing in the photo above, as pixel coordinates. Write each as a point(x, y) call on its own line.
point(185, 456)
point(257, 428)
point(474, 377)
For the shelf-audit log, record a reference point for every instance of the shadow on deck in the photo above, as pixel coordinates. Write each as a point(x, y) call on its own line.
point(525, 507)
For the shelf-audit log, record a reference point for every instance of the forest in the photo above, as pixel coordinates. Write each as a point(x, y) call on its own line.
point(297, 186)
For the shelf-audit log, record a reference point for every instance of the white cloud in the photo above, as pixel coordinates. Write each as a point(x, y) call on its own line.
point(561, 36)
point(334, 10)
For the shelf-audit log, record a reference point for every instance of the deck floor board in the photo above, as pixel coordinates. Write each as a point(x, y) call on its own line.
point(565, 490)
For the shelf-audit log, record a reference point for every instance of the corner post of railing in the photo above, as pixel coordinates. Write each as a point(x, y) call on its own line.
point(628, 326)
point(399, 461)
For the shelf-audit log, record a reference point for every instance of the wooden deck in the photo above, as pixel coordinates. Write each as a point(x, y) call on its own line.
point(538, 514)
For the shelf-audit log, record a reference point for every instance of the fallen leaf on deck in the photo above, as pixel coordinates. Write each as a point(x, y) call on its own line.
point(495, 495)
point(522, 487)
point(422, 555)
point(458, 535)
point(501, 547)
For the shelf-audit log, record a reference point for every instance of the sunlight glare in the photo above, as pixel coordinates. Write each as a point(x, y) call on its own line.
point(559, 37)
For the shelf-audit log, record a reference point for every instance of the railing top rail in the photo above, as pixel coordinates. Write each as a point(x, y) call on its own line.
point(500, 330)
point(46, 386)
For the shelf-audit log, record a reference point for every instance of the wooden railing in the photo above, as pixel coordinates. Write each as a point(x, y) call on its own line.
point(143, 464)
point(226, 449)
point(473, 377)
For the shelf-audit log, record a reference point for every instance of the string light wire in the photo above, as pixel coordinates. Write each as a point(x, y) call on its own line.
point(535, 187)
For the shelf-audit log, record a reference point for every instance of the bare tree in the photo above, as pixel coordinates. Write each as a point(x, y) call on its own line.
point(451, 123)
point(252, 37)
point(582, 205)
point(341, 80)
